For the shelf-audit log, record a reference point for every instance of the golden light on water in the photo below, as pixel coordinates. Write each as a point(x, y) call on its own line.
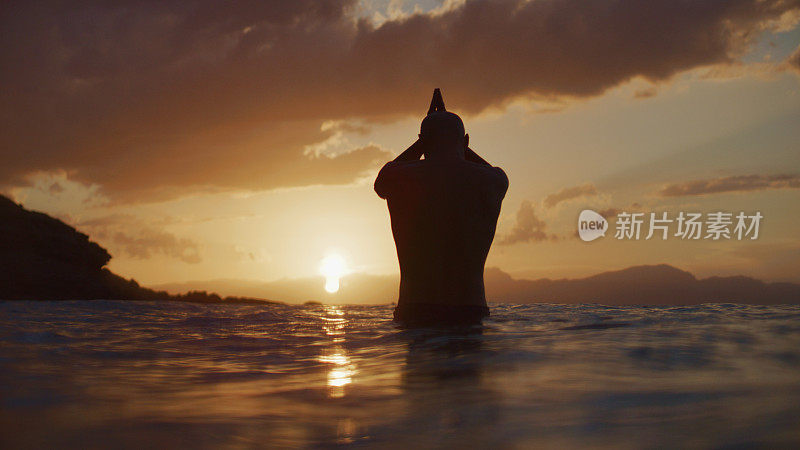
point(342, 368)
point(332, 268)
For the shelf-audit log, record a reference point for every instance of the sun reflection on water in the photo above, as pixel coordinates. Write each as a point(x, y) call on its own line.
point(342, 368)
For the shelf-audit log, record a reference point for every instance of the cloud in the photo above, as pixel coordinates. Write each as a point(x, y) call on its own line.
point(528, 227)
point(613, 211)
point(153, 98)
point(647, 92)
point(793, 61)
point(128, 235)
point(150, 241)
point(569, 194)
point(738, 183)
point(608, 213)
point(55, 188)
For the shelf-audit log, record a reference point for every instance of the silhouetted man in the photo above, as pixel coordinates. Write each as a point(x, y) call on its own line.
point(444, 211)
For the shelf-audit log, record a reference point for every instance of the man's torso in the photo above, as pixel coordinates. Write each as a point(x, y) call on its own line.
point(443, 221)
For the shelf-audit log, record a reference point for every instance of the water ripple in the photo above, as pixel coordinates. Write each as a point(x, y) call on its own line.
point(86, 373)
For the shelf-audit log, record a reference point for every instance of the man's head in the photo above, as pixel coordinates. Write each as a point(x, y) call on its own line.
point(442, 133)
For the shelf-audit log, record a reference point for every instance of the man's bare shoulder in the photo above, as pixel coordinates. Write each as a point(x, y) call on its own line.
point(398, 168)
point(401, 166)
point(488, 172)
point(492, 179)
point(394, 174)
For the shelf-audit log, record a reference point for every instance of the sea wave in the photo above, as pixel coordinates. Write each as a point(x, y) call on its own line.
point(86, 373)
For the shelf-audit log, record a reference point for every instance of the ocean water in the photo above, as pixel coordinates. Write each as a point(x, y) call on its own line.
point(88, 374)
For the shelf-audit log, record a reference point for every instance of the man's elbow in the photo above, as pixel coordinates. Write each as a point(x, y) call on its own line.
point(382, 181)
point(380, 184)
point(502, 180)
point(379, 188)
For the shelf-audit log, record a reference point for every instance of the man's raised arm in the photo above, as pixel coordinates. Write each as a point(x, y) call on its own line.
point(385, 179)
point(412, 153)
point(471, 156)
point(499, 175)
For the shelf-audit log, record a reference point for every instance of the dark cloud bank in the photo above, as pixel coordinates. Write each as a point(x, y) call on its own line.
point(149, 97)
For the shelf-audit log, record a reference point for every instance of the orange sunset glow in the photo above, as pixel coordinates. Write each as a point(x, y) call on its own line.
point(478, 224)
point(231, 151)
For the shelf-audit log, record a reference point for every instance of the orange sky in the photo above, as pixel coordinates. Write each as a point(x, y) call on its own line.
point(200, 142)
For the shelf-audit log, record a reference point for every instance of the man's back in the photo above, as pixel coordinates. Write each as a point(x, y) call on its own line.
point(444, 211)
point(443, 216)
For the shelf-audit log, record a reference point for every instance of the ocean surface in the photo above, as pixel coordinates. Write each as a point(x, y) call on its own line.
point(90, 374)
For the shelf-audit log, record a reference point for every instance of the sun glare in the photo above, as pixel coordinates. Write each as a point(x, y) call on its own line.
point(332, 268)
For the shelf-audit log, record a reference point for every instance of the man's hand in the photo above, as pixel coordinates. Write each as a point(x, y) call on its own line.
point(470, 154)
point(412, 153)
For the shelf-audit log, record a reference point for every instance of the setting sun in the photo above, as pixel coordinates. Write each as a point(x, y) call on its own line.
point(332, 268)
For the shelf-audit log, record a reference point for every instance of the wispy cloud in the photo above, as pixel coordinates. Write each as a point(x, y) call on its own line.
point(738, 183)
point(130, 236)
point(527, 228)
point(647, 92)
point(793, 61)
point(569, 193)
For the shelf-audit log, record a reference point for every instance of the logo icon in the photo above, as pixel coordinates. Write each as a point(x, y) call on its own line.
point(591, 225)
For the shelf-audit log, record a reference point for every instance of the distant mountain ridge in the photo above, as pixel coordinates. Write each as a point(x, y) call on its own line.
point(640, 285)
point(42, 258)
point(659, 284)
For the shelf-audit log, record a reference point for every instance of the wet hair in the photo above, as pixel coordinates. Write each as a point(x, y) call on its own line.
point(442, 124)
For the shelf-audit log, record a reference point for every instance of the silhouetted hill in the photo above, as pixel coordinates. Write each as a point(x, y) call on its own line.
point(42, 258)
point(640, 285)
